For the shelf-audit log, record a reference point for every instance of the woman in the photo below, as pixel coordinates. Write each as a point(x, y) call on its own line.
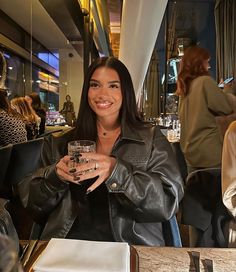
point(12, 127)
point(133, 183)
point(34, 101)
point(31, 119)
point(229, 179)
point(201, 101)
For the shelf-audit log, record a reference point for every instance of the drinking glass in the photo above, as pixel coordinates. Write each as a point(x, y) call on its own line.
point(77, 147)
point(170, 135)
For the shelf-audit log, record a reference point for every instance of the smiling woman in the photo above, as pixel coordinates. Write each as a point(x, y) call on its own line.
point(110, 195)
point(104, 95)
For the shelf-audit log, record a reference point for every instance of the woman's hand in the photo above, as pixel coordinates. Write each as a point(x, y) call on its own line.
point(95, 165)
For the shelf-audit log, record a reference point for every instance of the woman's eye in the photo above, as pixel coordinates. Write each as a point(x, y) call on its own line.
point(114, 86)
point(93, 85)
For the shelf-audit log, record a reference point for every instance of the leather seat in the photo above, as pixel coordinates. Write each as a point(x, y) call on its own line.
point(203, 209)
point(5, 155)
point(25, 159)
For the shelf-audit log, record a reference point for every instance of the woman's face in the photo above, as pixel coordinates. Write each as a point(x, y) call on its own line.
point(206, 64)
point(104, 94)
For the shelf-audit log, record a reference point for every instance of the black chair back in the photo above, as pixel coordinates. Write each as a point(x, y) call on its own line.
point(202, 207)
point(180, 160)
point(25, 159)
point(5, 155)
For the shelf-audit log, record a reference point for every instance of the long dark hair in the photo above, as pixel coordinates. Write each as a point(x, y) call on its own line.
point(86, 122)
point(191, 67)
point(36, 101)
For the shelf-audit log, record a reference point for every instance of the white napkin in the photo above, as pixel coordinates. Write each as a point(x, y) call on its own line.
point(67, 255)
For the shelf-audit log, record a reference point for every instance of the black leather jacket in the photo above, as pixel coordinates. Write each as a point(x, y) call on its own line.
point(144, 189)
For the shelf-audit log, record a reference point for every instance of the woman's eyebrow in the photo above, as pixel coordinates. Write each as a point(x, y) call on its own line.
point(94, 80)
point(114, 81)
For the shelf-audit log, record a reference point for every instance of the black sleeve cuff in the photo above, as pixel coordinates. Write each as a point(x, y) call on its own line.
point(53, 180)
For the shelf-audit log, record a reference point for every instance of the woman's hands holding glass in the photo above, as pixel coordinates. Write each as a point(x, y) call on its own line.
point(83, 164)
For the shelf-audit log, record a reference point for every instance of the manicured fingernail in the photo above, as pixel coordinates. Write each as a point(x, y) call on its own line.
point(73, 170)
point(89, 191)
point(78, 155)
point(76, 178)
point(72, 158)
point(77, 160)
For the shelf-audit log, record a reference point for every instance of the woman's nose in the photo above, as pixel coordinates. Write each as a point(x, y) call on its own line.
point(103, 90)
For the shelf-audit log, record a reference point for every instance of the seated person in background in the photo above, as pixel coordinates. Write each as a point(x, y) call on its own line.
point(12, 127)
point(126, 189)
point(29, 116)
point(201, 100)
point(229, 179)
point(35, 102)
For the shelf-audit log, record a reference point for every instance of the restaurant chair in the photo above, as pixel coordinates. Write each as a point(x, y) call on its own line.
point(5, 155)
point(171, 233)
point(6, 224)
point(203, 209)
point(25, 159)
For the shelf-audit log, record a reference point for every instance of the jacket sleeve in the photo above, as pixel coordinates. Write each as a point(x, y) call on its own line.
point(41, 191)
point(228, 169)
point(151, 194)
point(217, 100)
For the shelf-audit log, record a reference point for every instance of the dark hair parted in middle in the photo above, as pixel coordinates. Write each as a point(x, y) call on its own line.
point(86, 122)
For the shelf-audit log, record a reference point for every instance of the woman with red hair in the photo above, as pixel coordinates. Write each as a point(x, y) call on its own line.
point(201, 100)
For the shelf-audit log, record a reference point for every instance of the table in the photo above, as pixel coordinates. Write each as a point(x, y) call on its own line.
point(167, 259)
point(56, 128)
point(163, 259)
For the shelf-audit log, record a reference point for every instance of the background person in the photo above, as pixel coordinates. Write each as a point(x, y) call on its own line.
point(201, 140)
point(201, 100)
point(12, 127)
point(29, 116)
point(34, 100)
point(128, 187)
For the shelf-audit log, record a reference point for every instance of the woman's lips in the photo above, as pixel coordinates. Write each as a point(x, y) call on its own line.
point(103, 105)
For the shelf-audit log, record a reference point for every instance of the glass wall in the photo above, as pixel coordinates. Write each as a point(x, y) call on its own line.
point(15, 82)
point(24, 75)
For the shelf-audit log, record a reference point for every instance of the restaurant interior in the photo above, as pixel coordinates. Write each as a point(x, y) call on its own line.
point(46, 48)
